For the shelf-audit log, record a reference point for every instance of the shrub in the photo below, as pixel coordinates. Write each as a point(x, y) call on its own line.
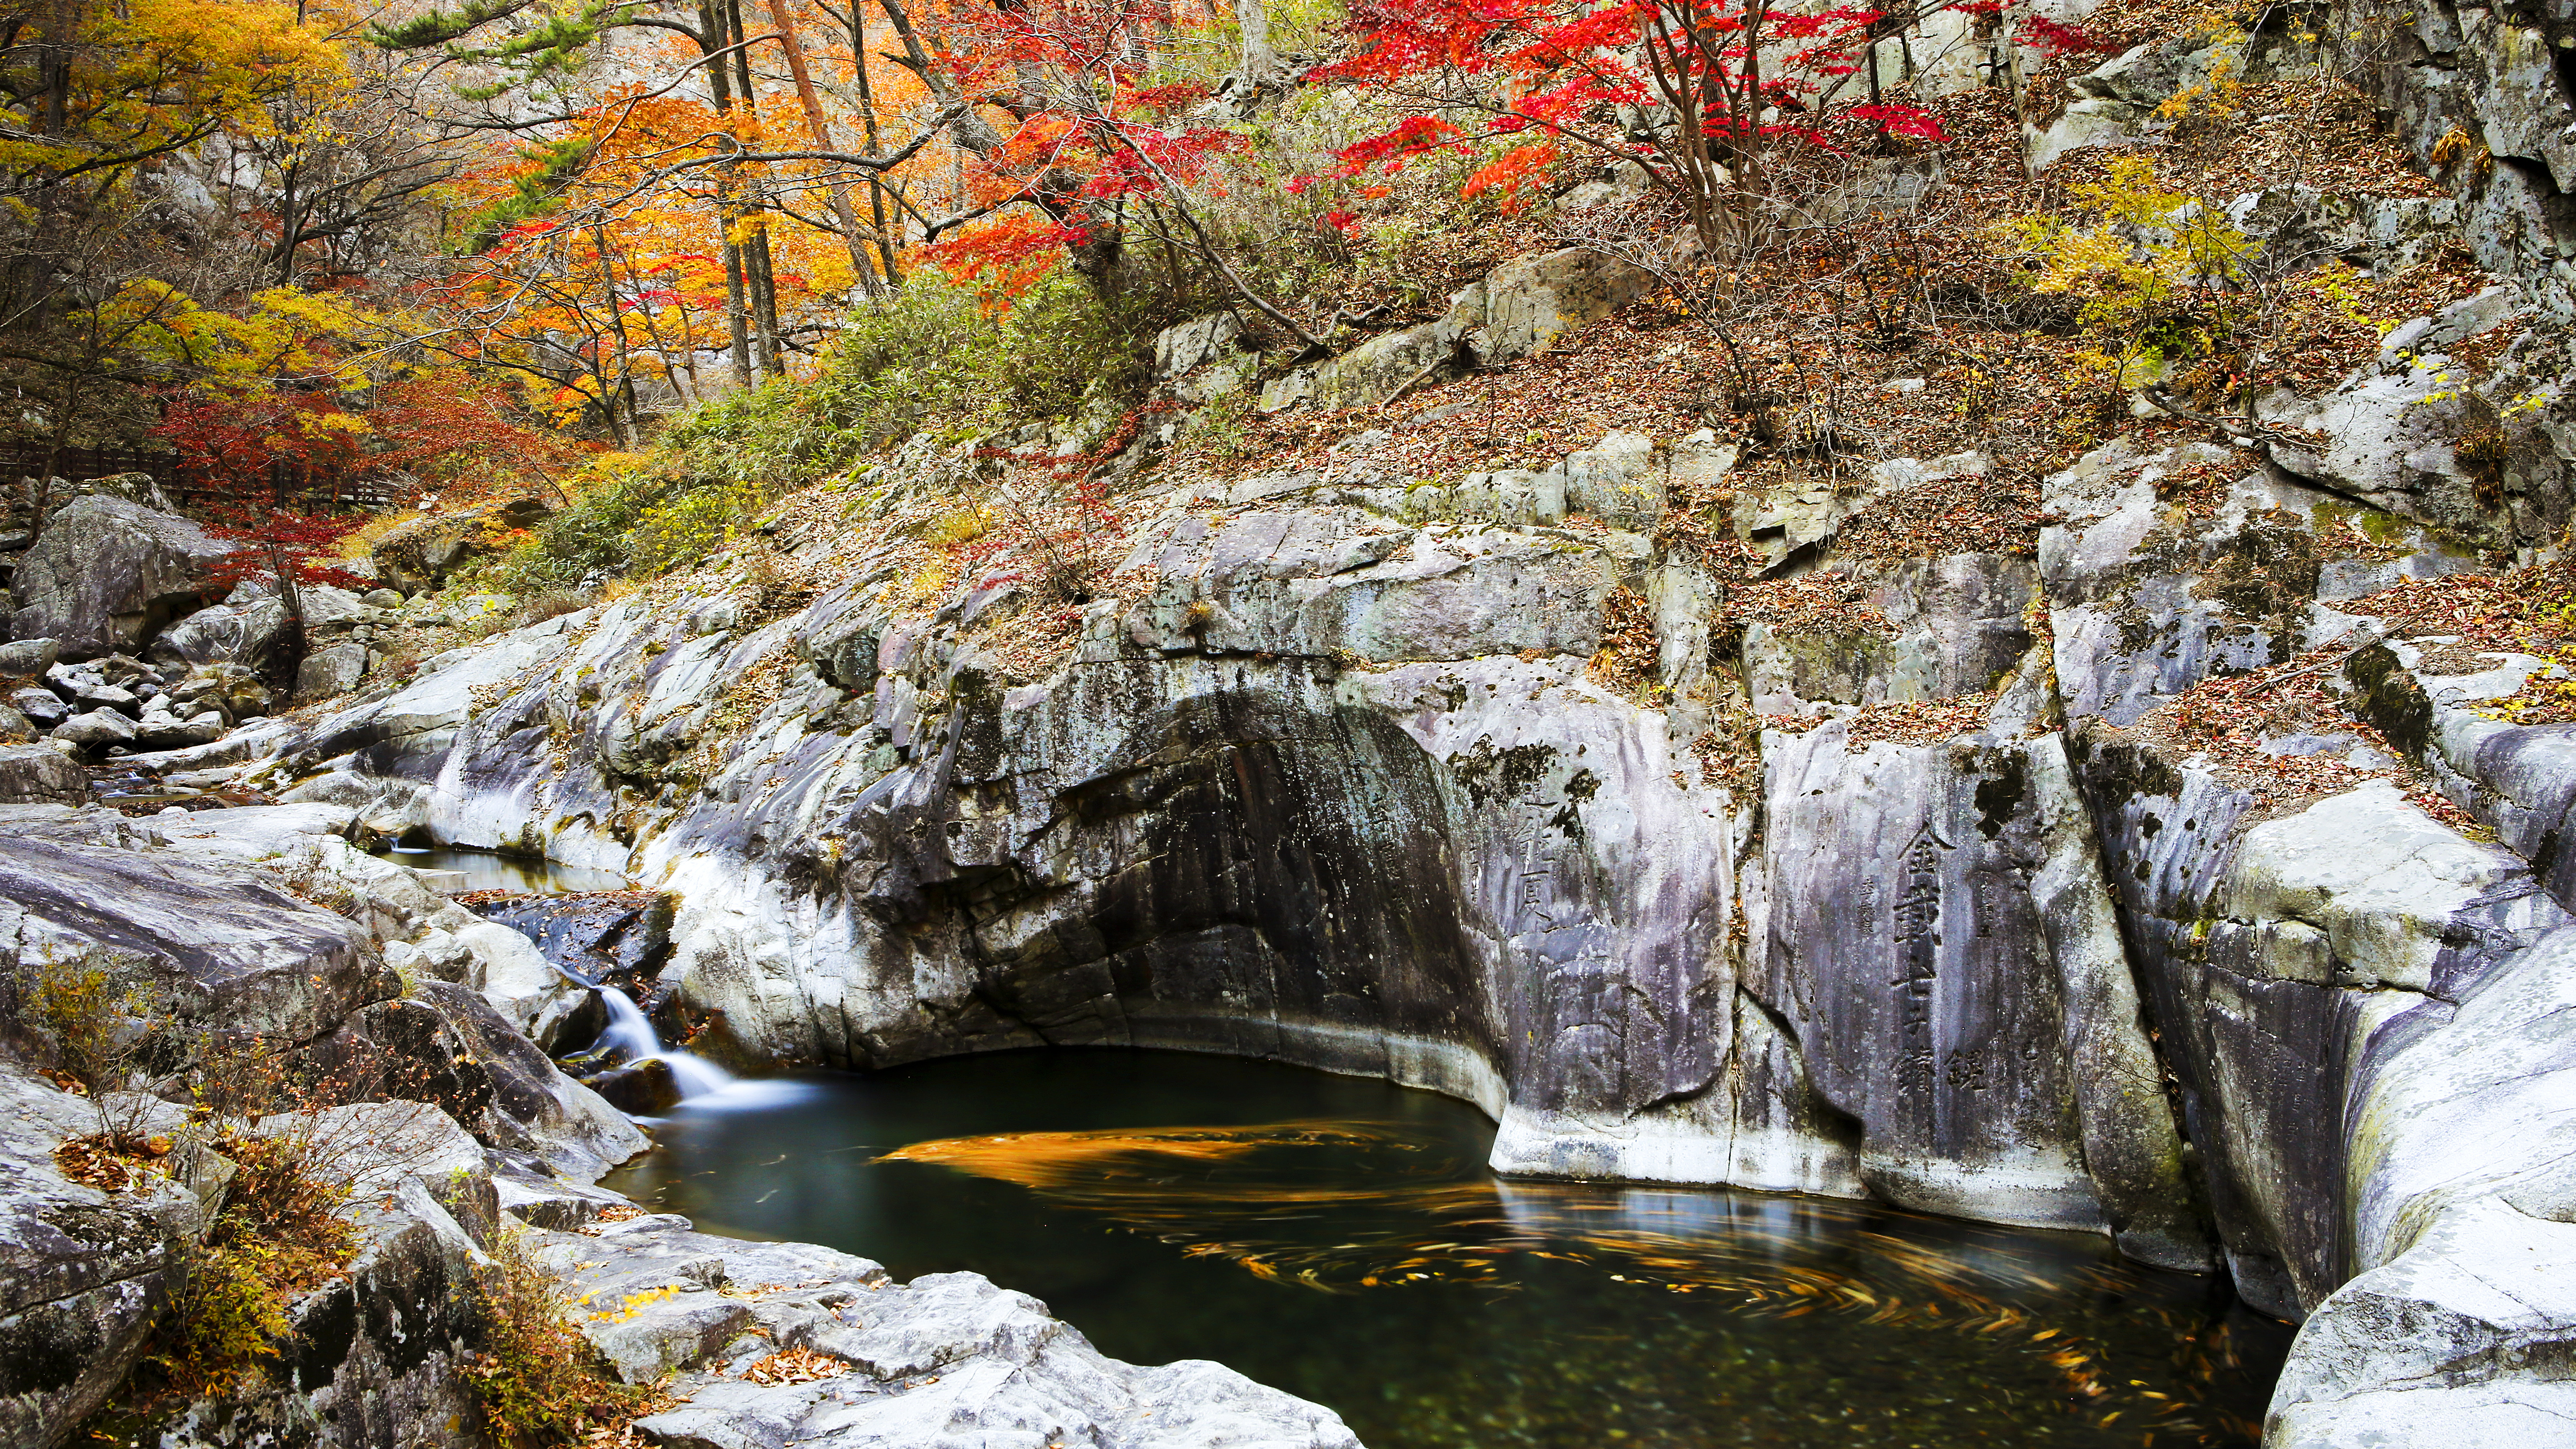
point(539, 1380)
point(98, 1035)
point(2159, 273)
point(938, 356)
point(278, 1234)
point(225, 1318)
point(690, 527)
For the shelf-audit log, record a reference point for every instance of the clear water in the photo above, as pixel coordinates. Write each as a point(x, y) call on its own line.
point(520, 875)
point(1339, 1238)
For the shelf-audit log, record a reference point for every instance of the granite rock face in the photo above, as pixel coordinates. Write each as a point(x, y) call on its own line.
point(471, 1132)
point(1334, 784)
point(106, 576)
point(83, 1273)
point(947, 1359)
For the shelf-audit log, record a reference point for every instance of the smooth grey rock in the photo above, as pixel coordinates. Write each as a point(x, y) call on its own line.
point(252, 833)
point(29, 658)
point(222, 944)
point(250, 633)
point(335, 669)
point(107, 575)
point(1187, 346)
point(42, 707)
point(1527, 303)
point(97, 729)
point(1966, 986)
point(533, 1106)
point(947, 1359)
point(1372, 372)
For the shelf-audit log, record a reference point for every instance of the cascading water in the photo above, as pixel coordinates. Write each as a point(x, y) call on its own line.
point(701, 1082)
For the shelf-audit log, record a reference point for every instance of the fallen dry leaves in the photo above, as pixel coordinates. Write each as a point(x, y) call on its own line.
point(111, 1164)
point(795, 1366)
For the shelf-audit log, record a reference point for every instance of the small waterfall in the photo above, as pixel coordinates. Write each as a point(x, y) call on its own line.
point(631, 1032)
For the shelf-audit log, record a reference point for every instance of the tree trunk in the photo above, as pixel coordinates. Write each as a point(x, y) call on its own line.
point(755, 248)
point(713, 36)
point(821, 128)
point(1260, 62)
point(868, 122)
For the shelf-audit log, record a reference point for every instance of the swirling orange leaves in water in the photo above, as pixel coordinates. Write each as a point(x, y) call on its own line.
point(1212, 1191)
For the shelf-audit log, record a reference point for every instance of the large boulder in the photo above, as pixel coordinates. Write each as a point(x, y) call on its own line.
point(107, 575)
point(945, 1359)
point(241, 630)
point(532, 1106)
point(420, 554)
point(84, 1274)
point(332, 669)
point(222, 947)
point(29, 658)
point(41, 775)
point(97, 729)
point(1528, 302)
point(140, 489)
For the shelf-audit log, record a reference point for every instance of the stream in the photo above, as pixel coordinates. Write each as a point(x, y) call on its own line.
point(1339, 1238)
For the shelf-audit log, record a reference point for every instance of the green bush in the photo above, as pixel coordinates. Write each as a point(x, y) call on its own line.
point(937, 357)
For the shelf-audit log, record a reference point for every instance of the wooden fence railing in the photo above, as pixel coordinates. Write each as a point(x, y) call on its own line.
point(279, 485)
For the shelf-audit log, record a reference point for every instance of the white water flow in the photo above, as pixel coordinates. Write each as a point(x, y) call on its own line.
point(631, 1032)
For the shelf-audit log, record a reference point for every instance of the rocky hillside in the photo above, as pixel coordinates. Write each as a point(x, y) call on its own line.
point(2143, 822)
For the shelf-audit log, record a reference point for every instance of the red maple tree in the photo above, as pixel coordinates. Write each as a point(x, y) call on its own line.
point(1696, 92)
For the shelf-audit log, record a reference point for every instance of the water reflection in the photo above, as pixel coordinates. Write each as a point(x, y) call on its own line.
point(486, 870)
point(1340, 1239)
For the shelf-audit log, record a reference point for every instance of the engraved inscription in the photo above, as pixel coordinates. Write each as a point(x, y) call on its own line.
point(1917, 931)
point(1967, 1070)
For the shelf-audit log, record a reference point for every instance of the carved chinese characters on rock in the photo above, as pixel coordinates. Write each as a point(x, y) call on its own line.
point(1916, 929)
point(1532, 867)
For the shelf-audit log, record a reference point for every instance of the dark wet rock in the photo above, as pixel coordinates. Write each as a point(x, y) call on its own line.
point(639, 1089)
point(595, 934)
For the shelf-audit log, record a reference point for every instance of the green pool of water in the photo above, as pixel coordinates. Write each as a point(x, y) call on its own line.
point(1340, 1238)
